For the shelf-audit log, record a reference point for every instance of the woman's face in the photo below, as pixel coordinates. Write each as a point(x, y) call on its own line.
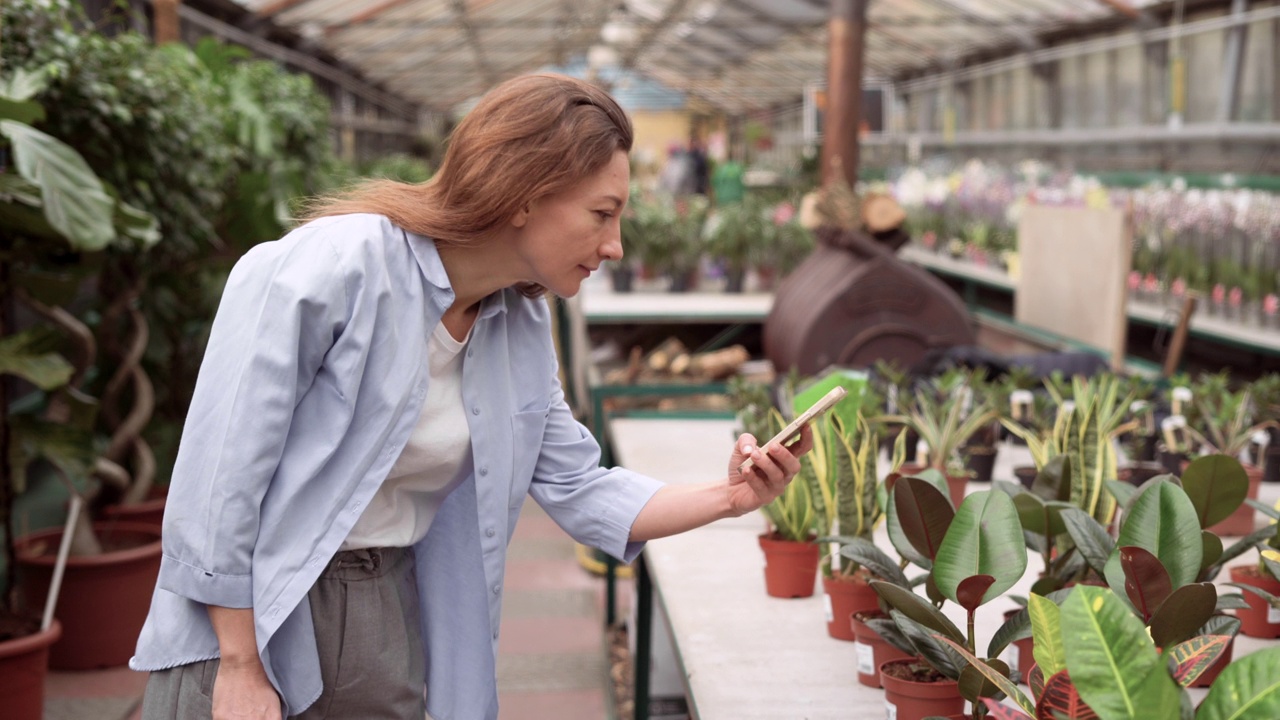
point(563, 238)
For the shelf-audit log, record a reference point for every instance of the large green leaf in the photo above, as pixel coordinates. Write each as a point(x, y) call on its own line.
point(865, 553)
point(27, 356)
point(898, 536)
point(1090, 538)
point(1109, 656)
point(1193, 657)
point(985, 538)
point(934, 651)
point(1247, 689)
point(917, 608)
point(1216, 485)
point(924, 513)
point(1053, 481)
point(23, 84)
point(68, 448)
point(1158, 523)
point(1046, 628)
point(75, 202)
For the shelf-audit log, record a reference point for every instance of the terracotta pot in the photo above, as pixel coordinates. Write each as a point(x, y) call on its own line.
point(908, 700)
point(24, 663)
point(1240, 522)
point(104, 598)
point(148, 512)
point(872, 651)
point(842, 599)
point(1259, 620)
point(790, 567)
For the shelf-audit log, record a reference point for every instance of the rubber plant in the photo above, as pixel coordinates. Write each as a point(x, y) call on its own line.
point(976, 553)
point(53, 208)
point(1094, 659)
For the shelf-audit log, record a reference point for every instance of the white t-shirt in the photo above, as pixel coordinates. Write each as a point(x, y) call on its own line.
point(436, 458)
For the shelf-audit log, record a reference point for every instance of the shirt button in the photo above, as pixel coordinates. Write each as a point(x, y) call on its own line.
point(312, 562)
point(490, 532)
point(484, 471)
point(497, 589)
point(275, 611)
point(475, 411)
point(470, 353)
point(495, 636)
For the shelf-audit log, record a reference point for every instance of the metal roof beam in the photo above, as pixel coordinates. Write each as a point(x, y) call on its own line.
point(278, 7)
point(364, 16)
point(473, 39)
point(1123, 7)
point(673, 10)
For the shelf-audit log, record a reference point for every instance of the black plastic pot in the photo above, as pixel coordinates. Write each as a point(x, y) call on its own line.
point(1138, 473)
point(1271, 465)
point(1172, 461)
point(1026, 475)
point(981, 461)
point(622, 279)
point(734, 279)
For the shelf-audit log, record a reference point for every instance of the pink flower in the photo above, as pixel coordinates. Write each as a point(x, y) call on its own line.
point(1271, 304)
point(1235, 297)
point(1135, 280)
point(930, 239)
point(783, 213)
point(1219, 293)
point(1179, 287)
point(1151, 283)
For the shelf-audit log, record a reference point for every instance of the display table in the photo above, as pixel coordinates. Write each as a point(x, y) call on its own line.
point(743, 654)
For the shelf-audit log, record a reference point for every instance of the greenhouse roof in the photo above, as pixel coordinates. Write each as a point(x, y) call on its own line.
point(737, 55)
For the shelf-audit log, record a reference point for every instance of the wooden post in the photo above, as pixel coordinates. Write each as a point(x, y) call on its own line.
point(846, 43)
point(165, 26)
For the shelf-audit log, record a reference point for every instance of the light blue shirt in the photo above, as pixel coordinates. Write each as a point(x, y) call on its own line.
point(313, 379)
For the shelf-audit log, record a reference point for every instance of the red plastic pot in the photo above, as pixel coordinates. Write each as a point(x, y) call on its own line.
point(872, 651)
point(1259, 620)
point(149, 511)
point(843, 598)
point(790, 567)
point(24, 663)
point(104, 598)
point(1020, 654)
point(910, 700)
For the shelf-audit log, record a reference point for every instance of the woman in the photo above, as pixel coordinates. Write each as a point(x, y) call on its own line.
point(378, 396)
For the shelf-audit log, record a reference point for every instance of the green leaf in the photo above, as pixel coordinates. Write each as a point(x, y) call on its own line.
point(865, 553)
point(1211, 552)
point(25, 355)
point(924, 512)
point(1247, 689)
point(1158, 523)
point(68, 448)
point(1017, 626)
point(916, 608)
point(898, 536)
point(992, 674)
point(1090, 538)
point(1146, 583)
point(985, 538)
point(1108, 652)
point(974, 685)
point(1046, 628)
point(23, 84)
point(74, 200)
point(934, 651)
point(1193, 657)
point(1188, 608)
point(1053, 481)
point(1216, 485)
point(27, 112)
point(1123, 492)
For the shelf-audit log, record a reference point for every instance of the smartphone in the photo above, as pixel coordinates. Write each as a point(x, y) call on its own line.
point(825, 403)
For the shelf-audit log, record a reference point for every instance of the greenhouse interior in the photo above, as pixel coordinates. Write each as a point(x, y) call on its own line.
point(270, 268)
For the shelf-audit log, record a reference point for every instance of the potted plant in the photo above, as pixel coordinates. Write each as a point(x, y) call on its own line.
point(945, 414)
point(1226, 425)
point(1261, 582)
point(981, 449)
point(733, 237)
point(977, 553)
point(1094, 659)
point(842, 469)
point(54, 204)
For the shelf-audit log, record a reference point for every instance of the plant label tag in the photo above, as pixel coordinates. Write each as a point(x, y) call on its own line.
point(1273, 615)
point(1011, 656)
point(890, 711)
point(866, 658)
point(826, 607)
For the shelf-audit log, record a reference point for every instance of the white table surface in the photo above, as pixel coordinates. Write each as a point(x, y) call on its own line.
point(746, 655)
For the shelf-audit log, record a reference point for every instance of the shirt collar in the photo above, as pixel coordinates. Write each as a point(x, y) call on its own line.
point(428, 257)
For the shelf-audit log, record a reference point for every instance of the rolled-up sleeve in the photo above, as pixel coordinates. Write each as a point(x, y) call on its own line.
point(596, 506)
point(284, 305)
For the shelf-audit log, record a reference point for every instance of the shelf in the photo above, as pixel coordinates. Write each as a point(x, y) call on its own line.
point(1252, 338)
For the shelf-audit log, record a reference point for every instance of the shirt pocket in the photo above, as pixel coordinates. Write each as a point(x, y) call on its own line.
point(527, 429)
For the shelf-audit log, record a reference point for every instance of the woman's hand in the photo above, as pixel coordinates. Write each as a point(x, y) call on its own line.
point(773, 467)
point(241, 691)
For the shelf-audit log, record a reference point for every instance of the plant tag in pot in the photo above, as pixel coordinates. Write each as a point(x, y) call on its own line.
point(1273, 615)
point(890, 711)
point(866, 658)
point(827, 609)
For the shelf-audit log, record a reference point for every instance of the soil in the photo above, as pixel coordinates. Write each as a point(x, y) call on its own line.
point(862, 617)
point(13, 626)
point(914, 672)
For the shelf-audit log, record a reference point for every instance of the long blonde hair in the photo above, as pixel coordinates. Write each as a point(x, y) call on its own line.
point(529, 137)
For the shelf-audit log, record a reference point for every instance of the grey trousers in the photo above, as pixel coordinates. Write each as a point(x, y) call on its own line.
point(365, 609)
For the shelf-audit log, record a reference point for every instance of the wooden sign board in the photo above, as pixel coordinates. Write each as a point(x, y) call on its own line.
point(1074, 269)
